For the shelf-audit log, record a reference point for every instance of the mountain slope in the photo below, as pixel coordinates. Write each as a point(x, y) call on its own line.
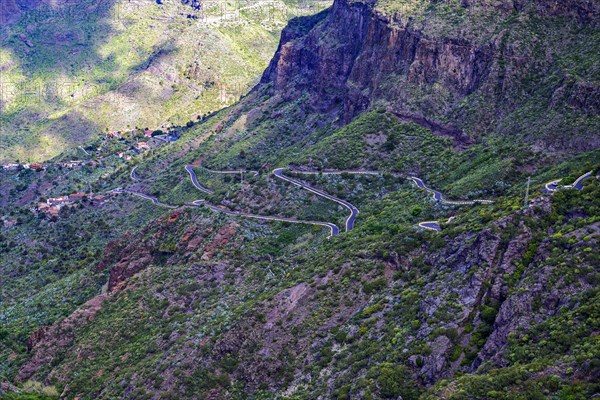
point(70, 71)
point(132, 299)
point(465, 69)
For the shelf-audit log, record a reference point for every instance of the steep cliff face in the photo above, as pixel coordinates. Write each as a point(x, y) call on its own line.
point(448, 64)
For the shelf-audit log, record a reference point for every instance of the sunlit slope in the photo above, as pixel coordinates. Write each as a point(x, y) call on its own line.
point(70, 71)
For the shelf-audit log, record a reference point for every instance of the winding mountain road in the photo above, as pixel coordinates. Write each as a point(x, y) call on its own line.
point(439, 197)
point(133, 175)
point(431, 225)
point(353, 210)
point(578, 184)
point(190, 171)
point(230, 172)
point(553, 186)
point(436, 195)
point(550, 187)
point(434, 225)
point(339, 172)
point(147, 197)
point(334, 230)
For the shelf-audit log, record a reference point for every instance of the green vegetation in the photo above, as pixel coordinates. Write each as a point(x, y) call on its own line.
point(129, 300)
point(72, 71)
point(182, 300)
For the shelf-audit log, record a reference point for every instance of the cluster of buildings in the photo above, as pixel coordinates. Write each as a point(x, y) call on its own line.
point(53, 205)
point(142, 146)
point(151, 139)
point(32, 166)
point(39, 166)
point(73, 164)
point(125, 155)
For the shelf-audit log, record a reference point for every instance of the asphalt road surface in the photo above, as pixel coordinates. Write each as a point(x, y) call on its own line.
point(190, 171)
point(438, 196)
point(553, 186)
point(334, 230)
point(431, 225)
point(147, 197)
point(353, 210)
point(578, 184)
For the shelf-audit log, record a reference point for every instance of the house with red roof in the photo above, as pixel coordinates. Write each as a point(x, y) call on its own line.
point(77, 196)
point(143, 146)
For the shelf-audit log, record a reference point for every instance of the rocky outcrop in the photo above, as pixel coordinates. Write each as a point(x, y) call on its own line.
point(518, 313)
point(487, 262)
point(346, 72)
point(135, 259)
point(353, 57)
point(581, 10)
point(264, 341)
point(124, 258)
point(270, 343)
point(9, 12)
point(47, 342)
point(112, 250)
point(222, 238)
point(37, 337)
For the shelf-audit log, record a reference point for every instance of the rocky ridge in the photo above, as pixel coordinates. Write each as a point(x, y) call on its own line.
point(356, 57)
